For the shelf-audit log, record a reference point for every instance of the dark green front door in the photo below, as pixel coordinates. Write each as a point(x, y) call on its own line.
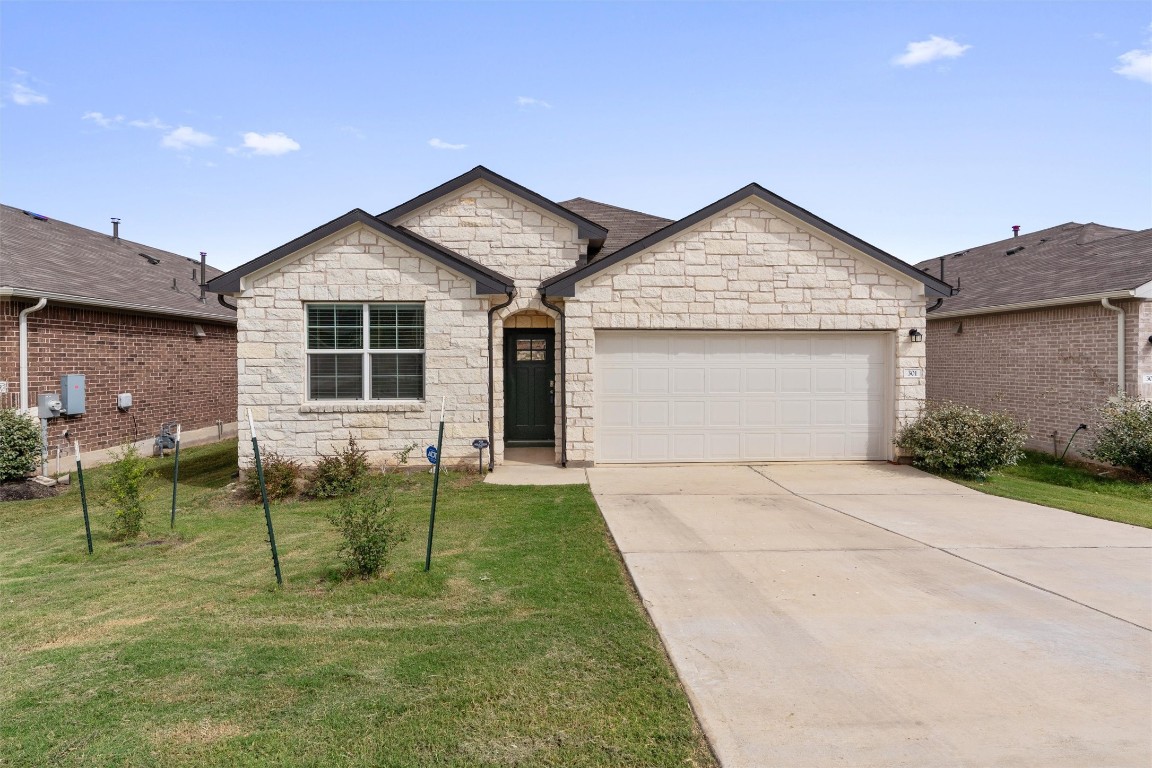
point(529, 413)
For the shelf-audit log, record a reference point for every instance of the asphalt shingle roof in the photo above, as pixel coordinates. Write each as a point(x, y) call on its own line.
point(85, 267)
point(624, 226)
point(1060, 262)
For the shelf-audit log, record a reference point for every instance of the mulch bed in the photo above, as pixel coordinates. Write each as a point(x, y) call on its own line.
point(25, 490)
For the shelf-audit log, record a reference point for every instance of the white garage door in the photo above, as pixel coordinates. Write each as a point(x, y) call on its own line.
point(715, 396)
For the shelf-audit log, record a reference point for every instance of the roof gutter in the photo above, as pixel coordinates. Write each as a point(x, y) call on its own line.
point(1120, 388)
point(8, 291)
point(1088, 298)
point(24, 350)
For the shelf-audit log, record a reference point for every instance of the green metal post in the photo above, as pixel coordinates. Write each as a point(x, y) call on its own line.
point(175, 476)
point(83, 497)
point(435, 491)
point(264, 496)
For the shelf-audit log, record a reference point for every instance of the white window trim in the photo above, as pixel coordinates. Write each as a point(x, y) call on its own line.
point(365, 353)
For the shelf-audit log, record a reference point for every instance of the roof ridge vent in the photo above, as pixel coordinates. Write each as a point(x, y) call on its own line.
point(1013, 251)
point(37, 216)
point(151, 259)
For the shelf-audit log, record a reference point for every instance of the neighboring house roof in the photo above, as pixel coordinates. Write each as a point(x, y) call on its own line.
point(42, 257)
point(488, 281)
point(1059, 265)
point(585, 229)
point(564, 284)
point(624, 226)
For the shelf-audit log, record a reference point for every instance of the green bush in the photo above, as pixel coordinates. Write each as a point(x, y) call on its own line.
point(123, 489)
point(370, 530)
point(280, 476)
point(960, 440)
point(1124, 435)
point(340, 475)
point(19, 445)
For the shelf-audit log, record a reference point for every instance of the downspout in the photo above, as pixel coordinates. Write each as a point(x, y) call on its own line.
point(24, 351)
point(226, 305)
point(1120, 388)
point(563, 398)
point(491, 384)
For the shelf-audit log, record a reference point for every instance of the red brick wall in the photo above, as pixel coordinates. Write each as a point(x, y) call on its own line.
point(172, 375)
point(1048, 367)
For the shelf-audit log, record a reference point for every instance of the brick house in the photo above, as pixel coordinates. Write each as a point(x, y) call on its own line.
point(127, 316)
point(1046, 326)
point(749, 330)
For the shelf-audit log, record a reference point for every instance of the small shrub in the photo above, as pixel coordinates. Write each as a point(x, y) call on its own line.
point(402, 455)
point(280, 476)
point(340, 475)
point(370, 530)
point(1124, 435)
point(960, 440)
point(19, 445)
point(123, 488)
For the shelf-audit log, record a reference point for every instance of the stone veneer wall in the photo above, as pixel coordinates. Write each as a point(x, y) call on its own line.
point(360, 266)
point(1048, 367)
point(745, 269)
point(515, 239)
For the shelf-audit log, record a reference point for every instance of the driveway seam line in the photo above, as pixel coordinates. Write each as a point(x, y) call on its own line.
point(960, 557)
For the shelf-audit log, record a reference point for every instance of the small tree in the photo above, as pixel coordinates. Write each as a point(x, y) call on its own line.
point(370, 530)
point(19, 445)
point(1124, 435)
point(961, 440)
point(342, 474)
point(123, 488)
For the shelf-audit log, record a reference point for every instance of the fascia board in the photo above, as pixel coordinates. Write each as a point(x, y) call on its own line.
point(1038, 304)
point(84, 301)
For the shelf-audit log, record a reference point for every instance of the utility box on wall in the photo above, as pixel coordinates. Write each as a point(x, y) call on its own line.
point(72, 393)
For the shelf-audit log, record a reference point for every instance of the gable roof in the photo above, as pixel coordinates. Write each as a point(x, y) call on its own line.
point(42, 257)
point(624, 225)
point(585, 228)
point(488, 281)
point(1069, 261)
point(564, 284)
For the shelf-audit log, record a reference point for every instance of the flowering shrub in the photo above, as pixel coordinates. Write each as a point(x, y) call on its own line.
point(1124, 435)
point(280, 476)
point(342, 474)
point(961, 440)
point(370, 530)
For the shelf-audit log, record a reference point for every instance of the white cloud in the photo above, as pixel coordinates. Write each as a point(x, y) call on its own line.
point(926, 51)
point(153, 122)
point(24, 96)
point(267, 144)
point(102, 120)
point(186, 138)
point(1137, 63)
point(528, 101)
point(438, 144)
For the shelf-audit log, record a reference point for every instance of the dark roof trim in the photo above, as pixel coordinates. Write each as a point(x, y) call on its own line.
point(564, 284)
point(586, 229)
point(487, 281)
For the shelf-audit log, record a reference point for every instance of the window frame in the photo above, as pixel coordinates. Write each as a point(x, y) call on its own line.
point(366, 352)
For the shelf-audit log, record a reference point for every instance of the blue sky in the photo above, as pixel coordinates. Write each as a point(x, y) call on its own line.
point(234, 127)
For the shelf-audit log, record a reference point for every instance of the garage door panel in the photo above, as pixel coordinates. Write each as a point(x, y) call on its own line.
point(665, 396)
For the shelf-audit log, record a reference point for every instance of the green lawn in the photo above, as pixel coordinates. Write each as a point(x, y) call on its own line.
point(524, 646)
point(1042, 479)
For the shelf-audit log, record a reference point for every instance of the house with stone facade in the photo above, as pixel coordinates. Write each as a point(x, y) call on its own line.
point(128, 318)
point(1045, 326)
point(751, 330)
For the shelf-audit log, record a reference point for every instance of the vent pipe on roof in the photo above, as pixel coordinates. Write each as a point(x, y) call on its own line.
point(203, 279)
point(116, 229)
point(1015, 230)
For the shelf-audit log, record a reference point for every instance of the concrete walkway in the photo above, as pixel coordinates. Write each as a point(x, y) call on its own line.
point(873, 615)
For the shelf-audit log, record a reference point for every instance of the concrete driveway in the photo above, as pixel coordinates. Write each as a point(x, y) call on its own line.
point(873, 615)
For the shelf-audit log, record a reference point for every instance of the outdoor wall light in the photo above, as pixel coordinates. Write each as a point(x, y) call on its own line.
point(915, 335)
point(1150, 339)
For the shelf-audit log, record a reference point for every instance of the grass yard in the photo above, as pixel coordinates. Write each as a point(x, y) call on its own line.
point(524, 646)
point(1042, 479)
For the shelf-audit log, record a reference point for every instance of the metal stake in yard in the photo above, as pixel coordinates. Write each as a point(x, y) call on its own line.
point(175, 476)
point(264, 496)
point(434, 457)
point(83, 496)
